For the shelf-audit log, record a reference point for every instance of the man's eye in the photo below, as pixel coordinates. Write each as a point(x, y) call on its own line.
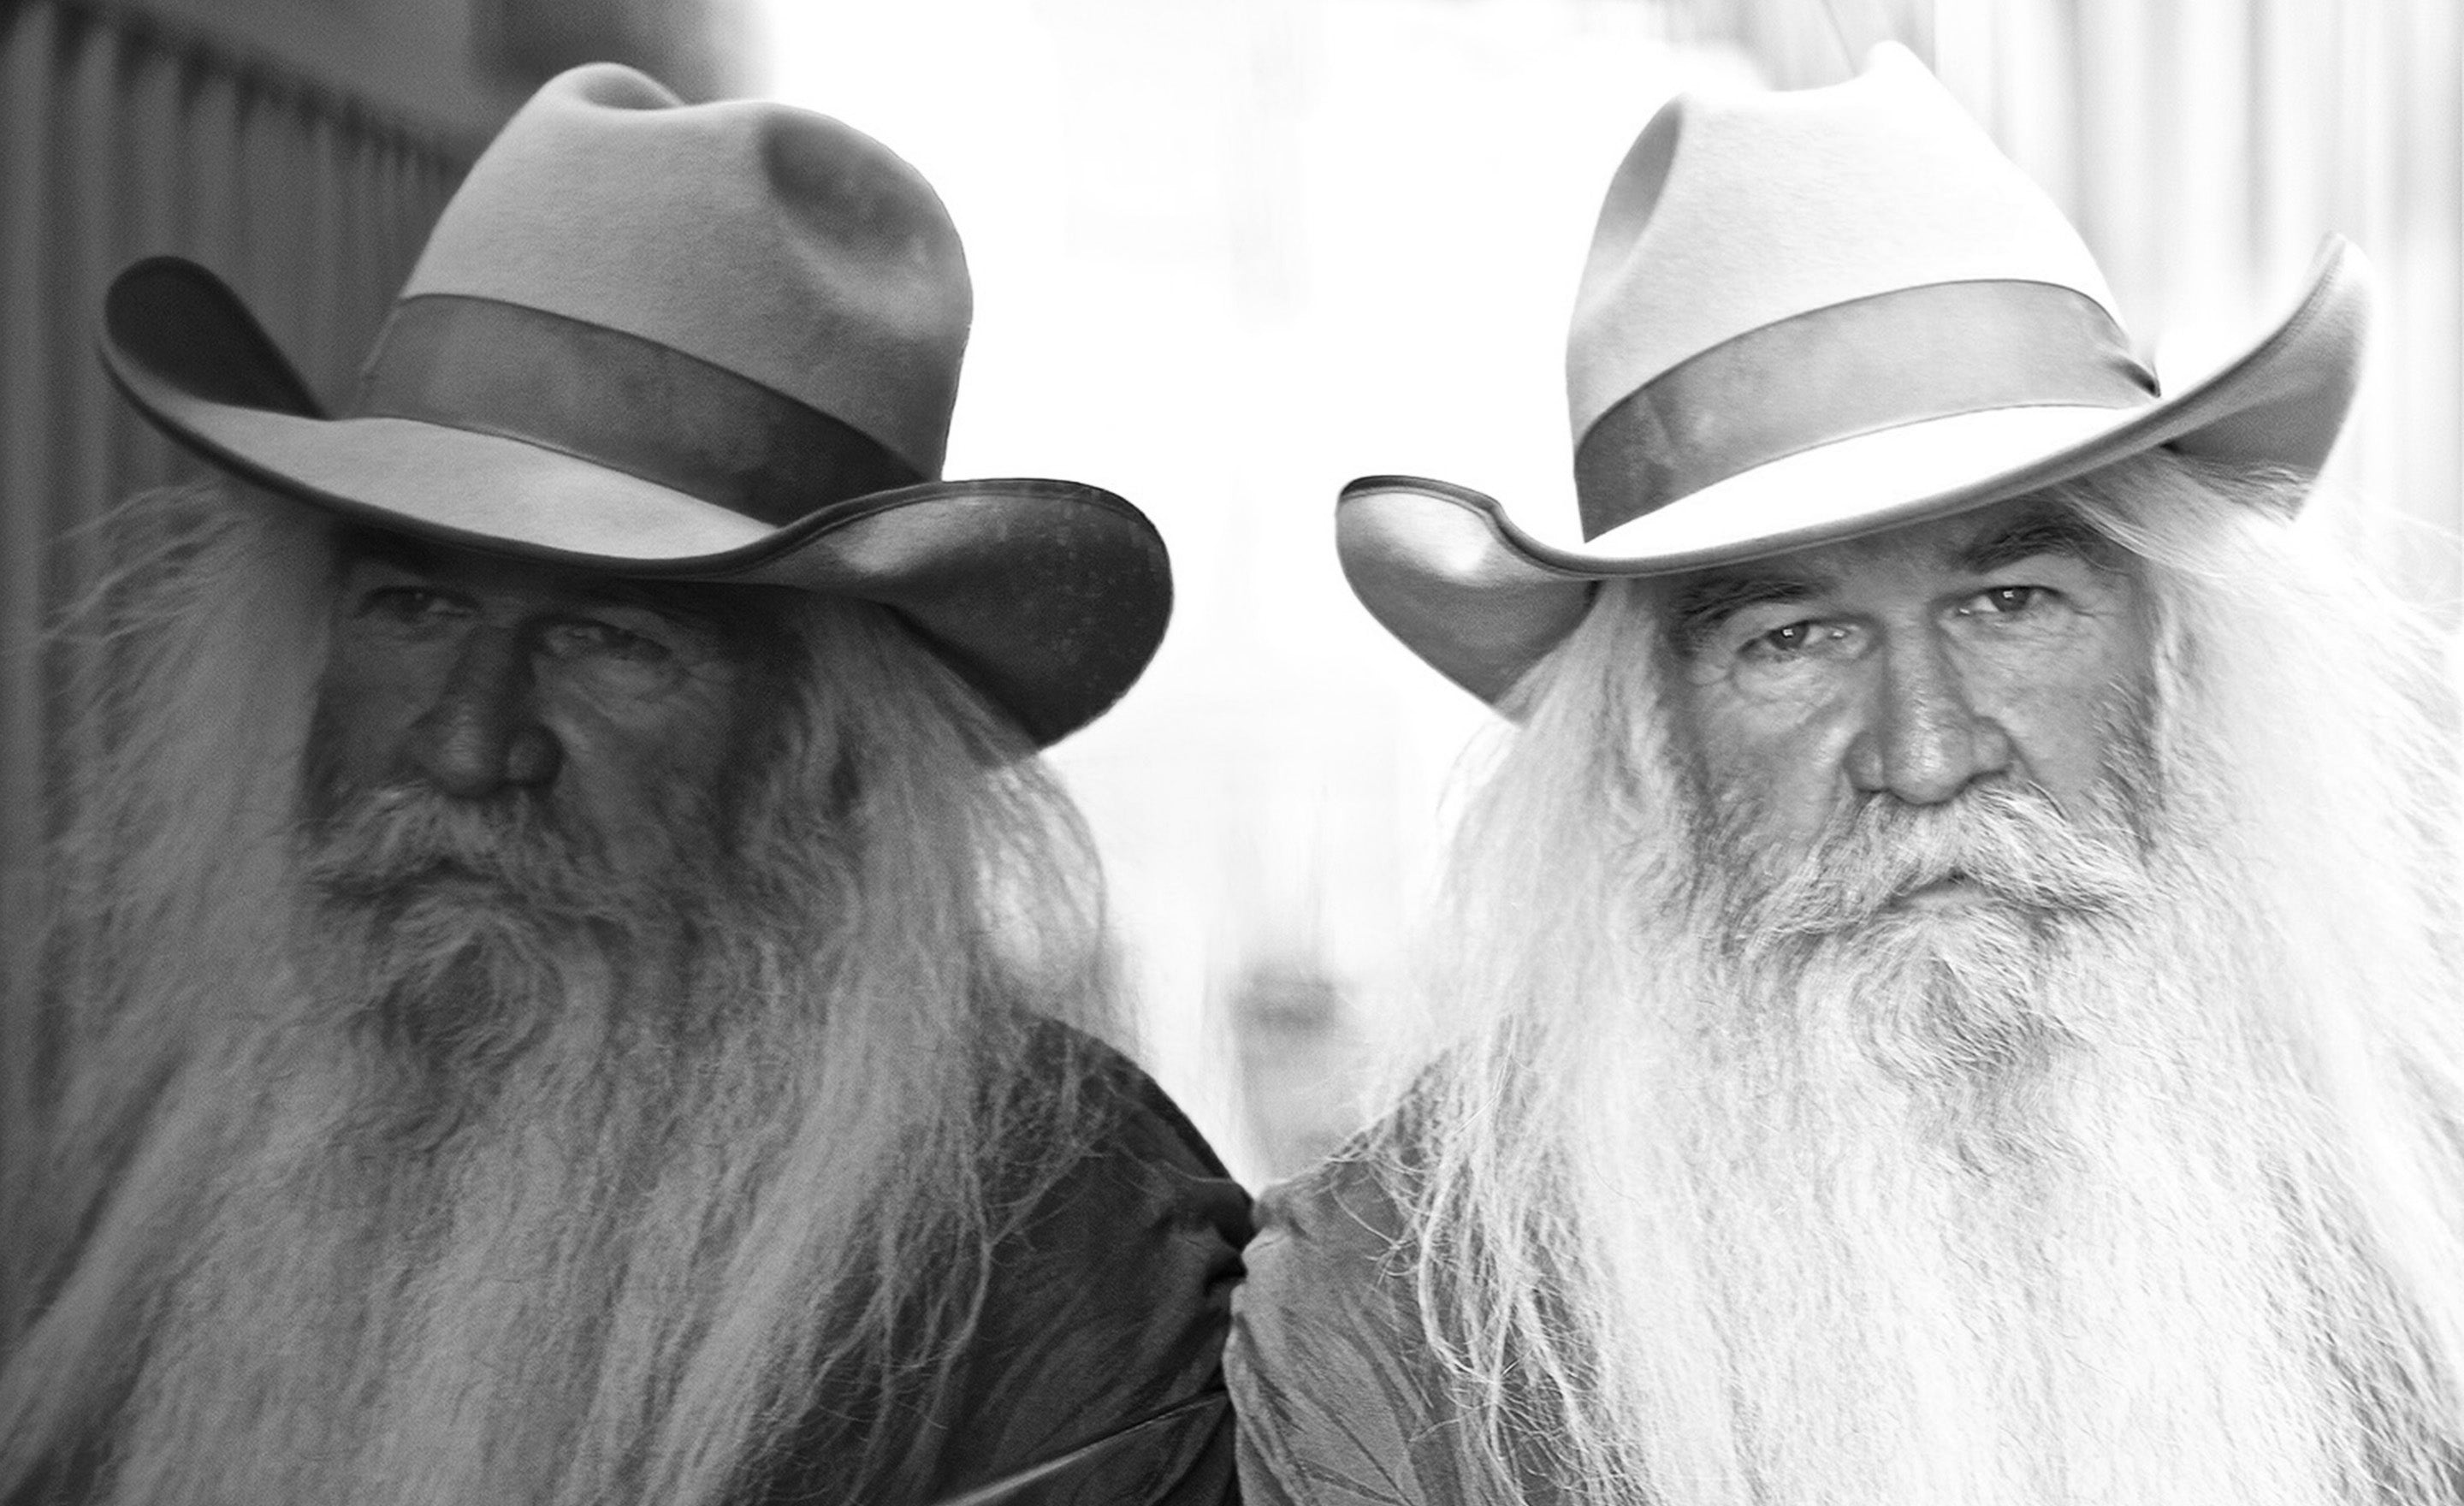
point(584, 637)
point(2004, 601)
point(1795, 638)
point(408, 605)
point(1788, 658)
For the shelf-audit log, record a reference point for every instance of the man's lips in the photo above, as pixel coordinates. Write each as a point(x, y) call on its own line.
point(1952, 891)
point(402, 879)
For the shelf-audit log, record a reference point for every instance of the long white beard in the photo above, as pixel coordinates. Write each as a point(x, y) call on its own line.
point(420, 1257)
point(1997, 1204)
point(482, 1170)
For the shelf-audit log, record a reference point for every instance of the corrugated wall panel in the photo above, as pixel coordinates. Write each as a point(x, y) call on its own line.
point(119, 139)
point(2219, 140)
point(29, 81)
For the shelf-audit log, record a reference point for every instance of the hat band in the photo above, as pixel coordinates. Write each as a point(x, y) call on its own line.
point(1850, 368)
point(620, 401)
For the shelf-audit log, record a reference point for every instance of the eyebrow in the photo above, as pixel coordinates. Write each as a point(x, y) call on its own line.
point(1704, 601)
point(2041, 530)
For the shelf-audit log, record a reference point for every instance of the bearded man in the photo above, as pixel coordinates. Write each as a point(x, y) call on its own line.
point(1950, 992)
point(573, 984)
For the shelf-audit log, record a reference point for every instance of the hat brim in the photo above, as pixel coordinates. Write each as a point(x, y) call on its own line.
point(1050, 596)
point(1481, 599)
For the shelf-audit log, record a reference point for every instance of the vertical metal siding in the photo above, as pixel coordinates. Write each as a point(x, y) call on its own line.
point(2211, 144)
point(118, 140)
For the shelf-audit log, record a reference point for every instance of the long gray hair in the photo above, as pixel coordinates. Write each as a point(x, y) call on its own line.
point(1683, 1230)
point(632, 1271)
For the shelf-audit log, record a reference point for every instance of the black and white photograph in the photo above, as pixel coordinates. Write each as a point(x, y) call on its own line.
point(1183, 752)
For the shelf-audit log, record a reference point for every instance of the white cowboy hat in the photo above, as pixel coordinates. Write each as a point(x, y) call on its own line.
point(714, 342)
point(1811, 315)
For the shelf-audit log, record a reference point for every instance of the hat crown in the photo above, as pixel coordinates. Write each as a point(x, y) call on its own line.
point(1734, 213)
point(771, 242)
point(1814, 316)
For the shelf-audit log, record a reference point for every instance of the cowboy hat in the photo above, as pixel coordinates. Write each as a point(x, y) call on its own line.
point(1811, 315)
point(708, 342)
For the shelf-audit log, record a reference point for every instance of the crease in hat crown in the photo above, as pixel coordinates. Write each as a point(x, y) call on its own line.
point(1733, 213)
point(846, 287)
point(1738, 215)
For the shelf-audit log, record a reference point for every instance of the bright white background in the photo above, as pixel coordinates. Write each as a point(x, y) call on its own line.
point(1228, 254)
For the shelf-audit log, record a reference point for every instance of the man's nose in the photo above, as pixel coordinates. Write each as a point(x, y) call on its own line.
point(482, 734)
point(1923, 738)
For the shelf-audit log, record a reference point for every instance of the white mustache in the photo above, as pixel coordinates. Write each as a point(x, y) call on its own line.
point(2010, 841)
point(390, 844)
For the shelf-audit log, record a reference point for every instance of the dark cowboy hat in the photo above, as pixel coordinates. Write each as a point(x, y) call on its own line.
point(1811, 315)
point(707, 342)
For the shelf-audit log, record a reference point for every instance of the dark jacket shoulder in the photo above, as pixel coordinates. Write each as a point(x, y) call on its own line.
point(1342, 1399)
point(1094, 1373)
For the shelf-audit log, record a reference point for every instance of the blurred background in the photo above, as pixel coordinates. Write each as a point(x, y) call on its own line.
point(1228, 253)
